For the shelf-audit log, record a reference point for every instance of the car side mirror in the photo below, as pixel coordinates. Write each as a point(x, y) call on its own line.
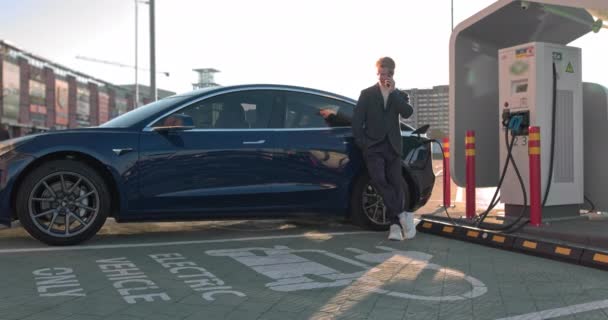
point(421, 130)
point(176, 122)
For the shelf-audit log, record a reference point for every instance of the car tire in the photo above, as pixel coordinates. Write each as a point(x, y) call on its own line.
point(360, 199)
point(64, 193)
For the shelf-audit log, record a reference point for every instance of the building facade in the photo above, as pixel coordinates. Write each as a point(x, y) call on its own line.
point(430, 107)
point(40, 95)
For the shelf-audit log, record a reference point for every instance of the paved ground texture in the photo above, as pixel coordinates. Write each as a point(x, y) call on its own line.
point(285, 270)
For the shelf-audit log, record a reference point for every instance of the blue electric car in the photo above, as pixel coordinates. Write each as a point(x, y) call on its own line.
point(251, 151)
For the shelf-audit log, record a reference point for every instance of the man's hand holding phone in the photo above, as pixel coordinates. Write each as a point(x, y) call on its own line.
point(390, 84)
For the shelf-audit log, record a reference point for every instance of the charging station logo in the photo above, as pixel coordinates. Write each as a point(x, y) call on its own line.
point(524, 52)
point(519, 67)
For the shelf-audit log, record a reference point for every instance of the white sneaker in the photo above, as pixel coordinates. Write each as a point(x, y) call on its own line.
point(395, 233)
point(406, 219)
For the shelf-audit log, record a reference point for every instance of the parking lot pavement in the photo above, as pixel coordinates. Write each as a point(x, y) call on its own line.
point(285, 270)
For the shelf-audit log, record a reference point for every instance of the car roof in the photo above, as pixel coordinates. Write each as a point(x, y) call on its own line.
point(140, 117)
point(281, 87)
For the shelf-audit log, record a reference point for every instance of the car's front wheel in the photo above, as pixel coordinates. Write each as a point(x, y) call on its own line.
point(367, 207)
point(63, 202)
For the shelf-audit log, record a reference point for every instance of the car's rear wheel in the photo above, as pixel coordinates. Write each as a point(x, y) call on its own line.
point(63, 202)
point(367, 207)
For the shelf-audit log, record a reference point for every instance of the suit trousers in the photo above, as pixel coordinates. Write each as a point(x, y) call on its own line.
point(384, 168)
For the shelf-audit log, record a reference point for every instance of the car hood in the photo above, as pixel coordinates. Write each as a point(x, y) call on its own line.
point(81, 130)
point(31, 137)
point(17, 141)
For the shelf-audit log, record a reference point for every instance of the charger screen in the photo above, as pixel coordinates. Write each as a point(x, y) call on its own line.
point(519, 86)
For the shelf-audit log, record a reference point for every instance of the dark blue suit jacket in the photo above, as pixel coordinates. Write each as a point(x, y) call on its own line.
point(372, 123)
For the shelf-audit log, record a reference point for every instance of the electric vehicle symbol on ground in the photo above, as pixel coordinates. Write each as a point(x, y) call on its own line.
point(291, 271)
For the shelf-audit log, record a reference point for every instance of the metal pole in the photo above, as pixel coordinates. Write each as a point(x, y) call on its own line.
point(452, 1)
point(447, 182)
point(152, 53)
point(136, 56)
point(470, 174)
point(535, 185)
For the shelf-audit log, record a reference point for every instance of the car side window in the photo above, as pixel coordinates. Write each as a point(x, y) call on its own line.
point(304, 110)
point(237, 110)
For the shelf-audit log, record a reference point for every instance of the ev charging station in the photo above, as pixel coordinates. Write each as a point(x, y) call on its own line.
point(536, 81)
point(512, 68)
point(502, 80)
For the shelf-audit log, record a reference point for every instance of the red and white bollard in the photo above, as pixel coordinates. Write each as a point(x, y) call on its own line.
point(535, 186)
point(470, 174)
point(447, 194)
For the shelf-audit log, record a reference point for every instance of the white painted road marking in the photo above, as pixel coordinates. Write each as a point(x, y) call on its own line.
point(292, 272)
point(560, 312)
point(122, 271)
point(55, 278)
point(206, 281)
point(180, 243)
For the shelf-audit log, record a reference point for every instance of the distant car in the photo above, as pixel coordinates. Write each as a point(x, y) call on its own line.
point(251, 151)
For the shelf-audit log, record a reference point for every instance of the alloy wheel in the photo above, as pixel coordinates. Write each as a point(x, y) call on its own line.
point(63, 204)
point(373, 206)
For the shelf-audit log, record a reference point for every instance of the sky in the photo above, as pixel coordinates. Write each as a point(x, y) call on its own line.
point(324, 44)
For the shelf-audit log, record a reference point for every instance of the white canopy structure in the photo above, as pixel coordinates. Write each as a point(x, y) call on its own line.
point(474, 46)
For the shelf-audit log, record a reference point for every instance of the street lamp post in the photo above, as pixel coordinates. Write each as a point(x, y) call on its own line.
point(452, 1)
point(136, 57)
point(152, 52)
point(136, 48)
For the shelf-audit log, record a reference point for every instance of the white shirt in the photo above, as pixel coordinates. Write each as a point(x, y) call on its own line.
point(385, 92)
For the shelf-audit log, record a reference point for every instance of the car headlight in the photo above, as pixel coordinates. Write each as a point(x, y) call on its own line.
point(4, 149)
point(10, 145)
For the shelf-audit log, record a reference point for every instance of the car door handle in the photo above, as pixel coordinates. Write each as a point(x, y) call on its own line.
point(254, 142)
point(120, 152)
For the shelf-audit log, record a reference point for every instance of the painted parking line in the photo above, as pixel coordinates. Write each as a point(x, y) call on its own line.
point(279, 268)
point(205, 276)
point(560, 312)
point(310, 235)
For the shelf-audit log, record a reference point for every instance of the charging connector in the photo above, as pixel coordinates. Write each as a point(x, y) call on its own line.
point(517, 122)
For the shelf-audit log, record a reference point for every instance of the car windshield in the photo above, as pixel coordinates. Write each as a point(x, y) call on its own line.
point(136, 115)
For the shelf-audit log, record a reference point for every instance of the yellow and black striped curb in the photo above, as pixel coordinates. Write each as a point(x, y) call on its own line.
point(563, 252)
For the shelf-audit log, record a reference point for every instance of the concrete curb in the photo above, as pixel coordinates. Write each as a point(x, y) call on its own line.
point(519, 242)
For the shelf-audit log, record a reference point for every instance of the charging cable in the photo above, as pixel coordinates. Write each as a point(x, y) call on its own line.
point(513, 124)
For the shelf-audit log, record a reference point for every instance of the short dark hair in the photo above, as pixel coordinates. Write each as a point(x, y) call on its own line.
point(385, 62)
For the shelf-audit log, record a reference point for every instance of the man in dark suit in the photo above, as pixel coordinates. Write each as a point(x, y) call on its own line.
point(377, 132)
